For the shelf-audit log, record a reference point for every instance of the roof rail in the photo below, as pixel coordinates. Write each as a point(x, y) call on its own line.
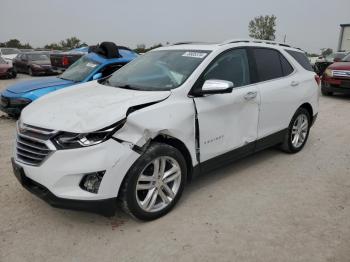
point(189, 42)
point(231, 41)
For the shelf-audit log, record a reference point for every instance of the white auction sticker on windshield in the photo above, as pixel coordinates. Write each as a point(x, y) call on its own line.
point(90, 65)
point(195, 54)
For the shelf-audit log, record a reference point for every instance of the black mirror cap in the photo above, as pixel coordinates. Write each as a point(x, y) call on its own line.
point(211, 92)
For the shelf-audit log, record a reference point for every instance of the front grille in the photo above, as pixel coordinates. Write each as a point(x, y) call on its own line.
point(32, 144)
point(341, 73)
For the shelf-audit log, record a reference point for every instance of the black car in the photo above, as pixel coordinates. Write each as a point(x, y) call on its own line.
point(33, 63)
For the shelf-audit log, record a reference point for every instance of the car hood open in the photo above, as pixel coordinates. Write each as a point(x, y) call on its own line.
point(31, 85)
point(86, 107)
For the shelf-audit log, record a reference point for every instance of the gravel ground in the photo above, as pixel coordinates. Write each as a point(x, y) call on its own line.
point(267, 207)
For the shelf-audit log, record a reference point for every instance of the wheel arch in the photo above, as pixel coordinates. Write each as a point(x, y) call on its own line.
point(179, 145)
point(310, 110)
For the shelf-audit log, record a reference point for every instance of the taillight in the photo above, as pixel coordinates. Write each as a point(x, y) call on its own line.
point(317, 79)
point(65, 61)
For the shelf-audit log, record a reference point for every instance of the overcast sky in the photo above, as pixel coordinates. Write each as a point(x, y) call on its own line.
point(308, 24)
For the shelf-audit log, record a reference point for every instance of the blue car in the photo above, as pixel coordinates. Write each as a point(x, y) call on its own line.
point(91, 66)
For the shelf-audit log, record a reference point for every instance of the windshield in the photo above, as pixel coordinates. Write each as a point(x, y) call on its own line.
point(346, 58)
point(38, 57)
point(10, 51)
point(78, 71)
point(158, 70)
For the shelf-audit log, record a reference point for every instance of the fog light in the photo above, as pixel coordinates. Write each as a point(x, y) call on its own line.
point(91, 182)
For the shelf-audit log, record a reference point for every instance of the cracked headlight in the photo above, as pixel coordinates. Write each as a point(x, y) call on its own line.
point(67, 140)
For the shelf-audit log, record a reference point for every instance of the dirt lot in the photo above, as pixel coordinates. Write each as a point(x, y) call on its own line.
point(268, 207)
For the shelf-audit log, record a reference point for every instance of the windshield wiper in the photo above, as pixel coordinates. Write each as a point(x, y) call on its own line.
point(68, 79)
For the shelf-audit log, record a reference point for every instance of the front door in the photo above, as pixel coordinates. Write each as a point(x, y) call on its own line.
point(228, 121)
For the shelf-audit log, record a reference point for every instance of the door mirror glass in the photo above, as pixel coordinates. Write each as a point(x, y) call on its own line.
point(217, 87)
point(97, 76)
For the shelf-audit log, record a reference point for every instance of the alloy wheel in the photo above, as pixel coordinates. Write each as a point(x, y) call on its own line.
point(300, 130)
point(158, 184)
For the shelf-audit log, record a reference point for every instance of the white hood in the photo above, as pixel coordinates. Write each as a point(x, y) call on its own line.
point(86, 107)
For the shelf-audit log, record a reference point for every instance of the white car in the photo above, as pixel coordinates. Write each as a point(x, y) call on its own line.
point(136, 137)
point(9, 53)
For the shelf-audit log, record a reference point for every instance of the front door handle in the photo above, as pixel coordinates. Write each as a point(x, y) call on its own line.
point(250, 95)
point(294, 83)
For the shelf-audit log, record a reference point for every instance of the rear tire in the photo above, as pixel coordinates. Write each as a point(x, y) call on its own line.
point(154, 183)
point(13, 73)
point(298, 132)
point(326, 93)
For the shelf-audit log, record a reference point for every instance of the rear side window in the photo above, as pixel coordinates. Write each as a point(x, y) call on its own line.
point(286, 67)
point(268, 64)
point(301, 59)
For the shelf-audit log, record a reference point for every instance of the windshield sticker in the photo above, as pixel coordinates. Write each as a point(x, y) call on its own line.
point(91, 65)
point(195, 54)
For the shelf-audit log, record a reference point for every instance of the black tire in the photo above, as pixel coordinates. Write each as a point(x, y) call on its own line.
point(287, 145)
point(326, 93)
point(30, 71)
point(127, 196)
point(108, 50)
point(13, 73)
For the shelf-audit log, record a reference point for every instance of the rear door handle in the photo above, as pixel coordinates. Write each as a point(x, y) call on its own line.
point(294, 83)
point(250, 95)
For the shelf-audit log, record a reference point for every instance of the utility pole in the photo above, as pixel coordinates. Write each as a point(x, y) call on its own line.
point(284, 39)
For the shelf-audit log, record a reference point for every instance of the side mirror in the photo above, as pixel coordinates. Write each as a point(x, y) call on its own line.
point(217, 87)
point(97, 76)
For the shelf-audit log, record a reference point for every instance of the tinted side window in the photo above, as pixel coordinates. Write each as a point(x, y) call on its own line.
point(301, 59)
point(286, 67)
point(268, 64)
point(231, 66)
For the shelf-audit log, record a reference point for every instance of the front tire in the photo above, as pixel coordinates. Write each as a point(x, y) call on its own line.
point(30, 71)
point(154, 183)
point(298, 132)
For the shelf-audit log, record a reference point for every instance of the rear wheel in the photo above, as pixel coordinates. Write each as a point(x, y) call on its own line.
point(13, 73)
point(298, 132)
point(326, 93)
point(154, 183)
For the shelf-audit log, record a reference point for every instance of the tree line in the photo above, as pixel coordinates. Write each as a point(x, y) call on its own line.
point(260, 27)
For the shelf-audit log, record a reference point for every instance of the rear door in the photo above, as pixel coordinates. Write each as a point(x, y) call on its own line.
point(278, 89)
point(228, 121)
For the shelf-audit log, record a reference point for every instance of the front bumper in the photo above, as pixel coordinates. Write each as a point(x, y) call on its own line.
point(9, 108)
point(336, 85)
point(105, 207)
point(57, 179)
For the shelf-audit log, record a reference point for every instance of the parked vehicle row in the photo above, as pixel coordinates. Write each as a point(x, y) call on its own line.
point(92, 66)
point(135, 137)
point(336, 78)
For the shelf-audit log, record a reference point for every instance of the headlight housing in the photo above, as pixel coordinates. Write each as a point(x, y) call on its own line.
point(328, 72)
point(67, 140)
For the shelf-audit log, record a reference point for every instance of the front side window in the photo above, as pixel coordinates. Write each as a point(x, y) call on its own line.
point(158, 70)
point(80, 69)
point(231, 66)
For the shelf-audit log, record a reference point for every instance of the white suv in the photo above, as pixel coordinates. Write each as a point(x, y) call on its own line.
point(136, 137)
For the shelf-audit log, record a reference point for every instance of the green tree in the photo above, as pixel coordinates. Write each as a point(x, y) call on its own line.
point(69, 43)
point(263, 27)
point(15, 43)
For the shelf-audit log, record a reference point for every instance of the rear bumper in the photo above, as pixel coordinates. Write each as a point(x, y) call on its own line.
point(105, 207)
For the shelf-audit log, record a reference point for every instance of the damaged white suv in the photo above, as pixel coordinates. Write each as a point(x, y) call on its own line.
point(136, 137)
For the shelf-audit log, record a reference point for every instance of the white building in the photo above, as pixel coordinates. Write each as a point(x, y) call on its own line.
point(344, 39)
